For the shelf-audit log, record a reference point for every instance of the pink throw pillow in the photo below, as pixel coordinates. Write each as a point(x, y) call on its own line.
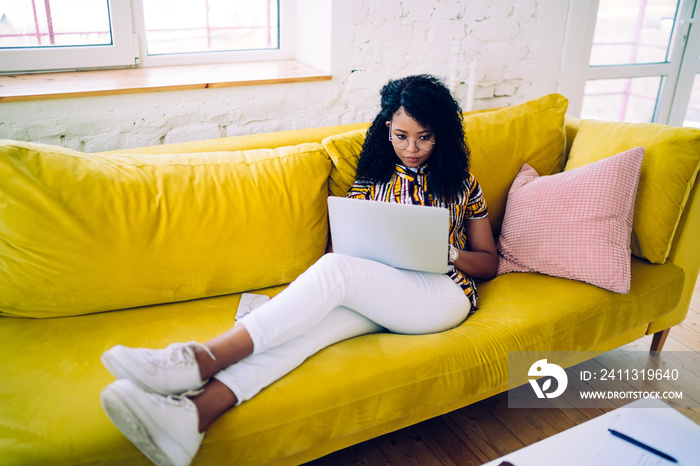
point(576, 224)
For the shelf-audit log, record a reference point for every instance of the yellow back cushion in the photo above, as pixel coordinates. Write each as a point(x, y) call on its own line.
point(344, 150)
point(246, 142)
point(670, 167)
point(501, 141)
point(83, 233)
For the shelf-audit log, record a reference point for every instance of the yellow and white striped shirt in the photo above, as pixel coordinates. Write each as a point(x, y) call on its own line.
point(410, 186)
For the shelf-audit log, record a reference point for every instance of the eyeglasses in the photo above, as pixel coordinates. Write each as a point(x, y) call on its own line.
point(400, 142)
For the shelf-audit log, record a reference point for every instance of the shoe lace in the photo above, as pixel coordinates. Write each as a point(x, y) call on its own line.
point(178, 354)
point(179, 401)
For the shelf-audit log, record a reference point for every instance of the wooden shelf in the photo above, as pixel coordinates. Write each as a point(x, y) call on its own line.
point(27, 87)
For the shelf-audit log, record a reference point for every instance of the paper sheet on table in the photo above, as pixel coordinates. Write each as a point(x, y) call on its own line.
point(660, 428)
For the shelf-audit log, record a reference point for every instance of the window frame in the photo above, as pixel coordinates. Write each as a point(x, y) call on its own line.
point(689, 69)
point(119, 54)
point(677, 79)
point(283, 52)
point(128, 48)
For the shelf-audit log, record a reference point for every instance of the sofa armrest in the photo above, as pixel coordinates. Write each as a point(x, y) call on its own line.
point(685, 253)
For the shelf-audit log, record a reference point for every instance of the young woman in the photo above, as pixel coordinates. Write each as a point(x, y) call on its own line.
point(415, 152)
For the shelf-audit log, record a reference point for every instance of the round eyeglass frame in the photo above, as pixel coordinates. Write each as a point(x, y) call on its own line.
point(408, 142)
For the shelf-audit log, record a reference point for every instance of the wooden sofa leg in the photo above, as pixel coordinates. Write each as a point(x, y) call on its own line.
point(658, 341)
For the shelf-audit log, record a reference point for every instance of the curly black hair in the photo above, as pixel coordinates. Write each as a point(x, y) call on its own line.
point(428, 101)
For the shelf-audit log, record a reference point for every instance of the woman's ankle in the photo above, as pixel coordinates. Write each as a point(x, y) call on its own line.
point(224, 350)
point(214, 400)
point(206, 362)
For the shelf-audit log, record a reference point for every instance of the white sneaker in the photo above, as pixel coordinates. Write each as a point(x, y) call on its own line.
point(164, 428)
point(169, 371)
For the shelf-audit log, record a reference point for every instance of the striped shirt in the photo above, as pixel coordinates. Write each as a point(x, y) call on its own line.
point(410, 186)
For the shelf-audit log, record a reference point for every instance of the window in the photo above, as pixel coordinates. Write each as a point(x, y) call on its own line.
point(208, 31)
point(49, 35)
point(640, 60)
point(39, 35)
point(28, 24)
point(692, 116)
point(209, 25)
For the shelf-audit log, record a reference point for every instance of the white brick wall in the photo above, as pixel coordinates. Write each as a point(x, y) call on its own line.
point(516, 45)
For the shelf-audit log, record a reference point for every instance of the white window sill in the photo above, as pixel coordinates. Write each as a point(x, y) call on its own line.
point(27, 87)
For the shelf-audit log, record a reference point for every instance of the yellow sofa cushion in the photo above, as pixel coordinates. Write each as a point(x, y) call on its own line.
point(50, 412)
point(246, 142)
point(344, 150)
point(84, 233)
point(670, 167)
point(501, 141)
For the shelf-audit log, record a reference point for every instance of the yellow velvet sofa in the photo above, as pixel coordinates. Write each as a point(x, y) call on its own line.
point(144, 247)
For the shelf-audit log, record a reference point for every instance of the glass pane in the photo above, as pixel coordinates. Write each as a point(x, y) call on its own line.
point(631, 99)
point(633, 32)
point(186, 26)
point(54, 23)
point(692, 115)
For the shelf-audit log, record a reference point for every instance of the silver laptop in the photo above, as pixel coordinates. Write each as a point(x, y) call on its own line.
point(400, 235)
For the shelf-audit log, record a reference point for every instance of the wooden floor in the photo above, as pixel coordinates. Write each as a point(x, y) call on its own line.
point(487, 430)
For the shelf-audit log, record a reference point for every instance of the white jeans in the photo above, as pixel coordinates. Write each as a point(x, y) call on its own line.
point(337, 298)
